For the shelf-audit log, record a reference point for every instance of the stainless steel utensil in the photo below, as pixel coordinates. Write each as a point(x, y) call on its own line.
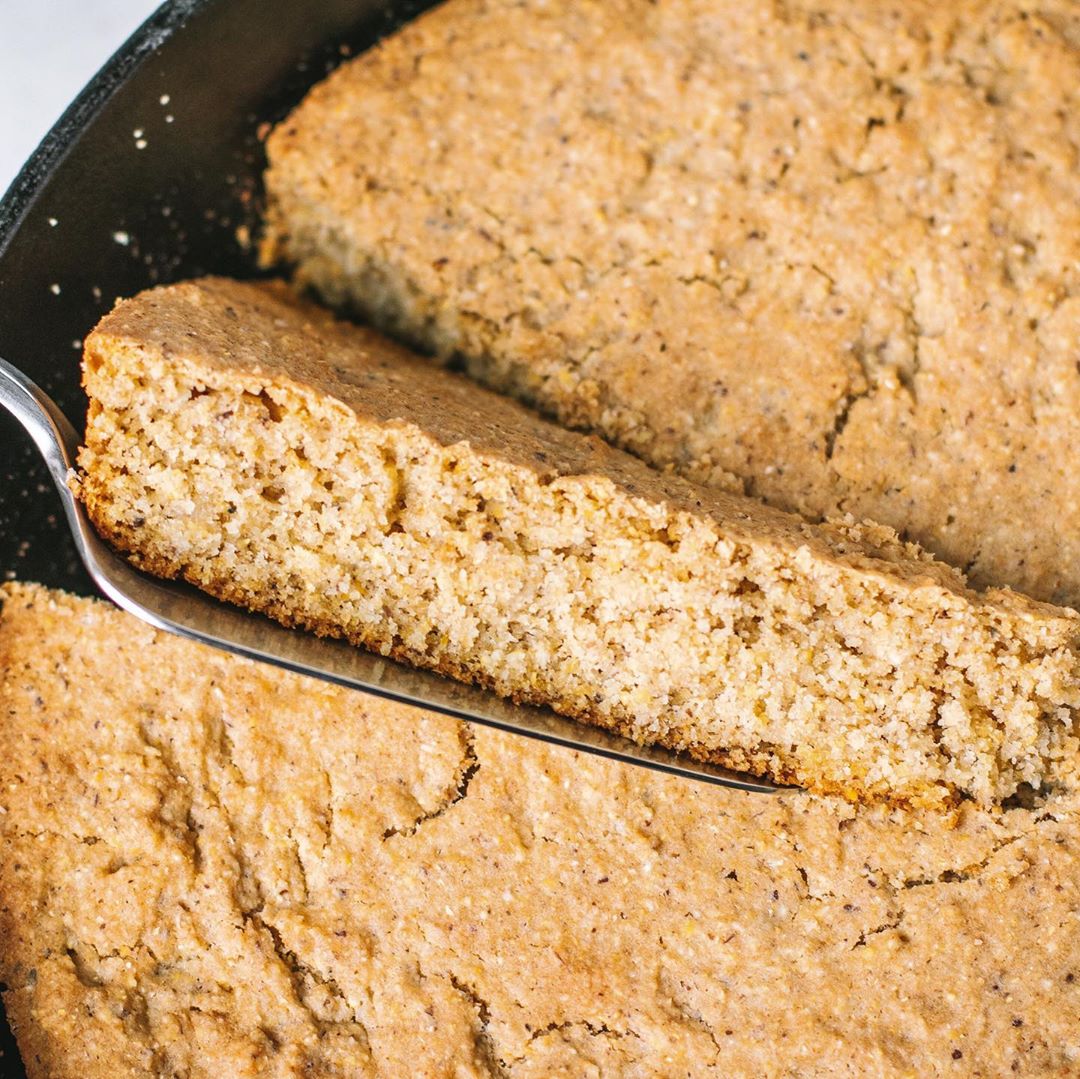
point(179, 608)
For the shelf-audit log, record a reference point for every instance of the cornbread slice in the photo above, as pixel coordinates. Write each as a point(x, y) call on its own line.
point(242, 440)
point(830, 248)
point(209, 868)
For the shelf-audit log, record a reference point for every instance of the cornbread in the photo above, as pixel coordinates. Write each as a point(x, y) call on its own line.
point(829, 252)
point(242, 440)
point(209, 868)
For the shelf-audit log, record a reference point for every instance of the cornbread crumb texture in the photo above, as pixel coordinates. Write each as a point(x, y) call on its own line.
point(242, 440)
point(832, 249)
point(211, 868)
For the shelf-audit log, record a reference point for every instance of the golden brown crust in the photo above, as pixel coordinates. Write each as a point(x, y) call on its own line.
point(215, 868)
point(831, 248)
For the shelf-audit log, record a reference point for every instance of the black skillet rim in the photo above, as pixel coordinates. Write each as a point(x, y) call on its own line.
point(54, 147)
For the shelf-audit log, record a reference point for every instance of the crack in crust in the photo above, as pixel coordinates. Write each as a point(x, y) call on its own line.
point(594, 1030)
point(965, 873)
point(486, 1050)
point(673, 994)
point(305, 978)
point(455, 792)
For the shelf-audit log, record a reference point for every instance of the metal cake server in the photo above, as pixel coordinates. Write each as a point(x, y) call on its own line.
point(182, 609)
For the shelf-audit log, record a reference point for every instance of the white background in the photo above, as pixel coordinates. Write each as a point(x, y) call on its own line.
point(49, 49)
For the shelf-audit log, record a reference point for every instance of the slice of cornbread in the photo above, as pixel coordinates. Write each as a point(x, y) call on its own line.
point(216, 870)
point(246, 442)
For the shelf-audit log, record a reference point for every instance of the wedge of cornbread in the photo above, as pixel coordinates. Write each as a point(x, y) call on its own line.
point(832, 249)
point(210, 869)
point(243, 440)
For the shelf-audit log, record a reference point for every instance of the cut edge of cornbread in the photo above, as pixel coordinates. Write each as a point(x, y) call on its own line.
point(242, 440)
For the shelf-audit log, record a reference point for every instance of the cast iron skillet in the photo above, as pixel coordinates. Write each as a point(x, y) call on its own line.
point(147, 176)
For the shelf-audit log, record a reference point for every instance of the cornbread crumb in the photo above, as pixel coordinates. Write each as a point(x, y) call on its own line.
point(241, 439)
point(209, 868)
point(832, 249)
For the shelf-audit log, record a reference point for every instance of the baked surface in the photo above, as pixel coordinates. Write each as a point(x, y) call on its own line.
point(831, 249)
point(244, 441)
point(210, 868)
